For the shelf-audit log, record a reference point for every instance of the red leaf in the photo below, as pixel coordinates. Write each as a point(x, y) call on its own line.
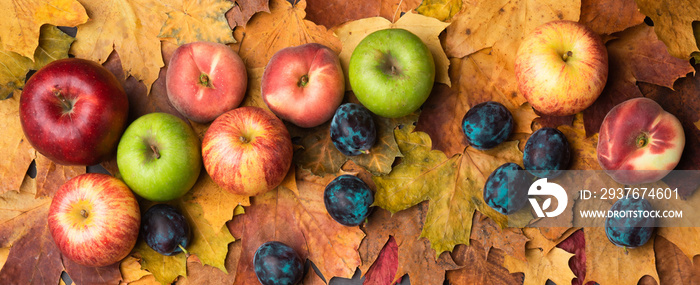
point(383, 271)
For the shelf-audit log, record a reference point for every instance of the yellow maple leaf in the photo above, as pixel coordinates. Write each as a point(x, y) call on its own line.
point(130, 27)
point(607, 263)
point(22, 21)
point(539, 267)
point(199, 20)
point(673, 24)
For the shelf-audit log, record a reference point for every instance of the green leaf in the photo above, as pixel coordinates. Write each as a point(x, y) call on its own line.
point(442, 10)
point(454, 186)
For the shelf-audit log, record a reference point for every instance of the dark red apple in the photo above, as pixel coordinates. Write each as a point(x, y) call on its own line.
point(73, 111)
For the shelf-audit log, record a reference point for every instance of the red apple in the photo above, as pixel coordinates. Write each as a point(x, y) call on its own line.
point(561, 68)
point(73, 111)
point(94, 219)
point(304, 84)
point(205, 79)
point(639, 142)
point(247, 151)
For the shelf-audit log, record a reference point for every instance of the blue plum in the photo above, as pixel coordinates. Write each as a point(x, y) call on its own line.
point(348, 200)
point(633, 229)
point(276, 263)
point(352, 129)
point(165, 229)
point(506, 188)
point(546, 153)
point(487, 124)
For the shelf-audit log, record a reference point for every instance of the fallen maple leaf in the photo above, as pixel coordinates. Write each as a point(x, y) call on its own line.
point(243, 10)
point(335, 12)
point(452, 185)
point(53, 45)
point(540, 267)
point(294, 214)
point(129, 27)
point(481, 267)
point(546, 239)
point(16, 151)
point(607, 263)
point(131, 271)
point(485, 23)
point(636, 56)
point(442, 10)
point(607, 17)
point(673, 266)
point(20, 30)
point(414, 253)
point(198, 20)
point(50, 176)
point(217, 203)
point(490, 235)
point(384, 268)
point(426, 28)
point(673, 23)
point(320, 155)
point(284, 26)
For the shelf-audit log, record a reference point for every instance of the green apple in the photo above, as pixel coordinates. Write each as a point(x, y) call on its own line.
point(159, 157)
point(392, 72)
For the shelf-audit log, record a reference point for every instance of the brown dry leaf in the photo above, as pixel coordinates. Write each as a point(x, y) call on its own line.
point(20, 30)
point(4, 253)
point(539, 266)
point(243, 10)
point(415, 256)
point(426, 28)
point(452, 185)
point(673, 266)
point(335, 12)
point(607, 17)
point(92, 275)
point(583, 148)
point(284, 26)
point(50, 176)
point(481, 267)
point(16, 152)
point(299, 219)
point(253, 96)
point(486, 23)
point(540, 238)
point(685, 238)
point(490, 235)
point(217, 204)
point(201, 274)
point(129, 27)
point(673, 23)
point(198, 20)
point(607, 263)
point(637, 55)
point(33, 257)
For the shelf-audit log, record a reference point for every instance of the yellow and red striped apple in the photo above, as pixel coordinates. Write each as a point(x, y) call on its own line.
point(639, 142)
point(304, 84)
point(247, 151)
point(561, 68)
point(94, 219)
point(205, 79)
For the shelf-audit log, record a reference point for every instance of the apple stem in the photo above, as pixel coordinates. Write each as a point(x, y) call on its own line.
point(84, 213)
point(204, 80)
point(566, 56)
point(187, 253)
point(156, 154)
point(243, 139)
point(64, 102)
point(303, 80)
